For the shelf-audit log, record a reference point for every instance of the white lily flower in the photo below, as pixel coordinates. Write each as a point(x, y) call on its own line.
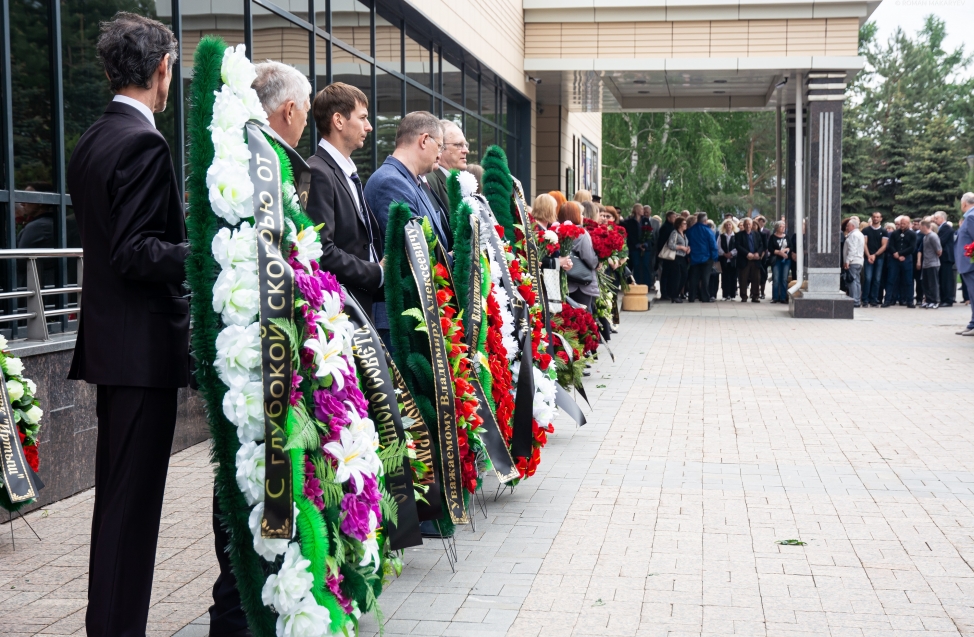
point(306, 243)
point(238, 354)
point(356, 458)
point(250, 472)
point(236, 295)
point(13, 366)
point(268, 549)
point(286, 589)
point(331, 317)
point(236, 70)
point(371, 545)
point(230, 190)
point(229, 111)
point(307, 619)
point(230, 144)
point(243, 406)
point(236, 248)
point(328, 357)
point(15, 390)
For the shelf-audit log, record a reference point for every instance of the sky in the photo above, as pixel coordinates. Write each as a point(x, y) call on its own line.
point(909, 15)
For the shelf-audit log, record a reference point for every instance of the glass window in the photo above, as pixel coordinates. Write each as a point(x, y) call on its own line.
point(388, 44)
point(351, 23)
point(488, 101)
point(417, 58)
point(30, 59)
point(417, 100)
point(453, 114)
point(388, 113)
point(279, 40)
point(471, 131)
point(452, 83)
point(488, 137)
point(471, 92)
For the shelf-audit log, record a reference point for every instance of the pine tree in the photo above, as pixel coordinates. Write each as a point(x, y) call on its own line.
point(934, 172)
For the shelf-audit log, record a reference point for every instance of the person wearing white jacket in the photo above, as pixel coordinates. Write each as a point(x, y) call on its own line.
point(852, 258)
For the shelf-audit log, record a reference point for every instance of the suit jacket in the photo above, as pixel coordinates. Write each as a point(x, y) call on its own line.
point(663, 235)
point(444, 215)
point(344, 237)
point(437, 182)
point(946, 234)
point(740, 242)
point(134, 326)
point(965, 236)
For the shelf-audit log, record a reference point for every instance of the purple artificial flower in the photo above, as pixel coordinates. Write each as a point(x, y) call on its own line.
point(353, 395)
point(355, 517)
point(330, 410)
point(370, 493)
point(295, 388)
point(312, 486)
point(333, 582)
point(330, 284)
point(311, 287)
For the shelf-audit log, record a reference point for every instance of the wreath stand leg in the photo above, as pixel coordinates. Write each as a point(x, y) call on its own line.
point(451, 558)
point(11, 522)
point(500, 486)
point(483, 499)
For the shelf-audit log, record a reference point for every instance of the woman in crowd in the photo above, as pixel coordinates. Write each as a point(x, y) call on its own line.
point(581, 196)
point(545, 213)
point(589, 210)
point(559, 198)
point(780, 262)
point(582, 250)
point(727, 259)
point(677, 276)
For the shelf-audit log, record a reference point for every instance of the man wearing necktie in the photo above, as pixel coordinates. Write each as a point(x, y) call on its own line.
point(419, 139)
point(351, 238)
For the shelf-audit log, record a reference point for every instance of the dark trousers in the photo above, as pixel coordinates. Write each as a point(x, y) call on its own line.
point(226, 615)
point(642, 267)
point(899, 282)
point(699, 281)
point(948, 283)
point(763, 273)
point(749, 273)
point(584, 299)
point(918, 282)
point(931, 284)
point(728, 278)
point(714, 283)
point(665, 278)
point(135, 432)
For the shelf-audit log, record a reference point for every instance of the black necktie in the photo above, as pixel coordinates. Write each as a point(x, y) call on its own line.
point(364, 214)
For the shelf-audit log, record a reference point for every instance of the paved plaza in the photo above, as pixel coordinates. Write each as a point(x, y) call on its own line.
point(720, 431)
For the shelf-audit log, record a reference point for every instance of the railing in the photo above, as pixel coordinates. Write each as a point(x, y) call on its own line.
point(35, 313)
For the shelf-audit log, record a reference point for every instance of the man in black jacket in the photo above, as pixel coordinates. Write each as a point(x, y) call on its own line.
point(133, 337)
point(751, 249)
point(351, 240)
point(902, 246)
point(948, 280)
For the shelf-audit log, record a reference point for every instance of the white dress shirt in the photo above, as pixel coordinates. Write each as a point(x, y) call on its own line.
point(137, 105)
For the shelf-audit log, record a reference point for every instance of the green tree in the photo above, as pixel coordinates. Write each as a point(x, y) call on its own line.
point(932, 177)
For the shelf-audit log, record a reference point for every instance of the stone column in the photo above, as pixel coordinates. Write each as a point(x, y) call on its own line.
point(790, 175)
point(825, 96)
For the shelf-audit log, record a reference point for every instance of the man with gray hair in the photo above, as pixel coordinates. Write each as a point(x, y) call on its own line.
point(948, 280)
point(965, 236)
point(133, 338)
point(453, 156)
point(285, 94)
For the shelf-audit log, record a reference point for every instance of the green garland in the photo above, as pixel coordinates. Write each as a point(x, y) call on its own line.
point(499, 188)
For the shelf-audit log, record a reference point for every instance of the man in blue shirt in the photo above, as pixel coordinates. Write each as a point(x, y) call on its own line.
point(703, 253)
point(419, 139)
point(965, 237)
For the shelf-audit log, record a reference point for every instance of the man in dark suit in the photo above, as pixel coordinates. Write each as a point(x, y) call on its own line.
point(133, 336)
point(453, 156)
point(948, 280)
point(750, 252)
point(351, 239)
point(419, 139)
point(760, 222)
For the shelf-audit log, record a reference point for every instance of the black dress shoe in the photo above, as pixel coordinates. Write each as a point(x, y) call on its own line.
point(677, 300)
point(743, 300)
point(755, 300)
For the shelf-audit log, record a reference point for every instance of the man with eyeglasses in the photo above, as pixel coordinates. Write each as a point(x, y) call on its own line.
point(453, 156)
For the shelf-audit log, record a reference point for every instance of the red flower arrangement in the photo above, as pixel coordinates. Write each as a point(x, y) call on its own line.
point(567, 233)
point(500, 371)
point(581, 324)
point(969, 251)
point(468, 421)
point(550, 247)
point(608, 240)
point(30, 453)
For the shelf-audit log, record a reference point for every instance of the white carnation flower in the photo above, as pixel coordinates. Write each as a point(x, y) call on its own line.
point(33, 415)
point(468, 183)
point(236, 70)
point(243, 406)
point(551, 236)
point(30, 385)
point(13, 366)
point(306, 243)
point(230, 189)
point(250, 472)
point(307, 619)
point(236, 248)
point(236, 296)
point(229, 111)
point(286, 589)
point(544, 398)
point(238, 354)
point(15, 390)
point(268, 548)
point(230, 144)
